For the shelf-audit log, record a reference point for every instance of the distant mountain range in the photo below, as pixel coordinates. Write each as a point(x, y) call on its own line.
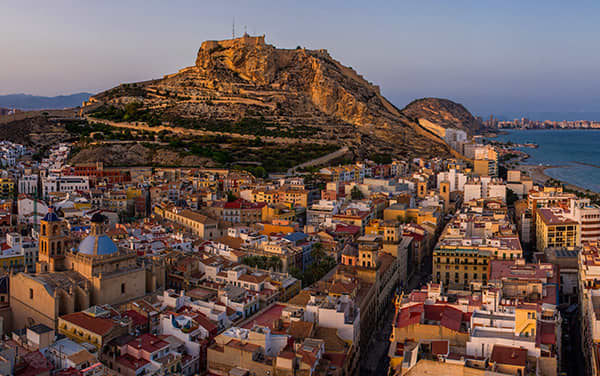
point(36, 102)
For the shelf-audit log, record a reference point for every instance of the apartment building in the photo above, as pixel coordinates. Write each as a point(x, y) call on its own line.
point(205, 227)
point(588, 216)
point(555, 228)
point(457, 267)
point(589, 302)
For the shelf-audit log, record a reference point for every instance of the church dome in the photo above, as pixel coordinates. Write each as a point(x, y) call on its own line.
point(51, 216)
point(97, 245)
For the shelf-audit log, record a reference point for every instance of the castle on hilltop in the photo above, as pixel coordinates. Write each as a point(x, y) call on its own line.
point(246, 40)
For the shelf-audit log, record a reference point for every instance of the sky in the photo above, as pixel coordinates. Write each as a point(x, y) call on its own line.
point(492, 56)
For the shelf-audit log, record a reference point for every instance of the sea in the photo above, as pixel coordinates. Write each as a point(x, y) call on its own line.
point(575, 151)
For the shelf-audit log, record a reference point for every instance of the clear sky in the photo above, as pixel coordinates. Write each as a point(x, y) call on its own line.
point(492, 56)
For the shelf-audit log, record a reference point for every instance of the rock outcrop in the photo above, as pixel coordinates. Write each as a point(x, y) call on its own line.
point(245, 77)
point(135, 154)
point(443, 112)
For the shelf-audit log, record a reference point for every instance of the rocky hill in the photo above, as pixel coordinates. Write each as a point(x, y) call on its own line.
point(36, 131)
point(136, 154)
point(444, 113)
point(287, 89)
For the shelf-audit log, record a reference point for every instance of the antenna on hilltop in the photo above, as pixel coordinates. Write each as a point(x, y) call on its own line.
point(233, 29)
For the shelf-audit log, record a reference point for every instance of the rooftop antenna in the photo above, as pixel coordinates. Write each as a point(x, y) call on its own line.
point(233, 29)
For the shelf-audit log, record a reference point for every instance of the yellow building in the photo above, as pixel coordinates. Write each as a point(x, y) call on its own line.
point(456, 267)
point(389, 230)
point(485, 167)
point(525, 320)
point(7, 187)
point(205, 227)
point(401, 212)
point(12, 261)
point(82, 205)
point(293, 197)
point(133, 192)
point(554, 229)
point(282, 227)
point(279, 211)
point(93, 326)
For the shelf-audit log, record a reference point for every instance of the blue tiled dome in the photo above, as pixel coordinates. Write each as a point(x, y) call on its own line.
point(102, 244)
point(51, 217)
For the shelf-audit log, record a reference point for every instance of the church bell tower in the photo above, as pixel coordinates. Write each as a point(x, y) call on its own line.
point(52, 243)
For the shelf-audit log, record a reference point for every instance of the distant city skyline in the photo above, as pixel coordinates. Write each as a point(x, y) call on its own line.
point(502, 59)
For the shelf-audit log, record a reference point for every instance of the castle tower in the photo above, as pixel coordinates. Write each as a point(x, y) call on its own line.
point(52, 243)
point(422, 189)
point(445, 193)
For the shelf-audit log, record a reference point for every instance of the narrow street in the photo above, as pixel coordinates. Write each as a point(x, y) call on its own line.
point(377, 361)
point(572, 361)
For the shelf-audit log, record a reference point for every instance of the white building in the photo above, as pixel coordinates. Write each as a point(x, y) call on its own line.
point(321, 212)
point(67, 184)
point(30, 210)
point(472, 191)
point(456, 179)
point(182, 327)
point(28, 184)
point(496, 190)
point(588, 216)
point(340, 313)
point(26, 246)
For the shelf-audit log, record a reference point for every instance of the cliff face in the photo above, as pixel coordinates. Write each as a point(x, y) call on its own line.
point(443, 112)
point(245, 77)
point(332, 88)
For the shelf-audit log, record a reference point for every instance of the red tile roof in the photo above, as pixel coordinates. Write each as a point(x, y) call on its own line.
point(131, 362)
point(448, 316)
point(267, 317)
point(546, 333)
point(148, 342)
point(95, 325)
point(36, 364)
point(409, 316)
point(137, 318)
point(433, 312)
point(513, 356)
point(205, 322)
point(440, 347)
point(451, 318)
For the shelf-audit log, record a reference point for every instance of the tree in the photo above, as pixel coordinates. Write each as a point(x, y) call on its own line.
point(511, 197)
point(231, 197)
point(260, 172)
point(356, 194)
point(274, 263)
point(317, 253)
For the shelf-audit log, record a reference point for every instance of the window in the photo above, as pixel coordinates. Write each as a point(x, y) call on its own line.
point(122, 288)
point(30, 293)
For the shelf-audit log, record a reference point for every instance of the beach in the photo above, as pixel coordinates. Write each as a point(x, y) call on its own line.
point(538, 175)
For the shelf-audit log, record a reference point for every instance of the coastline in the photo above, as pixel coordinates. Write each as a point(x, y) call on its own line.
point(539, 176)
